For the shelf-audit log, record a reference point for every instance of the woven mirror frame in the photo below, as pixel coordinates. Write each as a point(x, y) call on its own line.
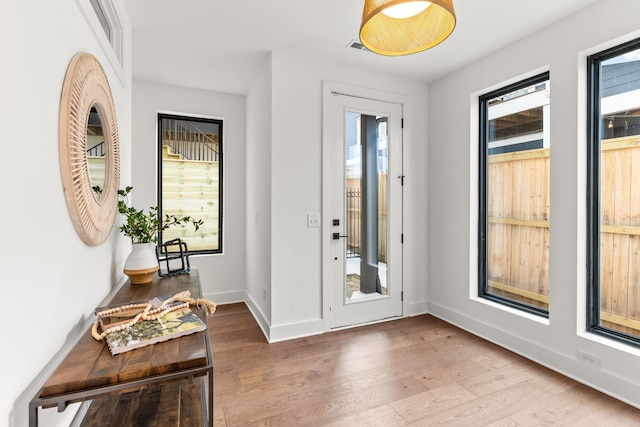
point(92, 210)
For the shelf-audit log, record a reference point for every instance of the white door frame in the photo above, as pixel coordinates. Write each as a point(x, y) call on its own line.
point(329, 90)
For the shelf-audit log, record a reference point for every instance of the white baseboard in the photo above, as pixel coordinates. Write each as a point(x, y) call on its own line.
point(296, 330)
point(227, 297)
point(259, 316)
point(418, 308)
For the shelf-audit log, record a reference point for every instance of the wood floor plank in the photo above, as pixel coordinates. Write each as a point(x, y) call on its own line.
point(272, 387)
point(505, 422)
point(497, 379)
point(614, 413)
point(382, 416)
point(487, 409)
point(321, 408)
point(567, 408)
point(423, 405)
point(228, 381)
point(439, 375)
point(417, 371)
point(363, 379)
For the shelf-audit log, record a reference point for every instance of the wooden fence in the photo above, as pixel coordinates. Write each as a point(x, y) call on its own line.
point(518, 230)
point(192, 188)
point(620, 234)
point(96, 167)
point(518, 226)
point(353, 208)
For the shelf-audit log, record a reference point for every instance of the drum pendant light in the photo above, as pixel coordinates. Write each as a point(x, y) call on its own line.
point(403, 27)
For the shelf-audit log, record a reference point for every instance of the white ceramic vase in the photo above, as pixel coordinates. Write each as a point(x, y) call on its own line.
point(141, 264)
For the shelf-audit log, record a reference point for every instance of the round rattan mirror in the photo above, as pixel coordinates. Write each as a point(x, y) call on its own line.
point(85, 92)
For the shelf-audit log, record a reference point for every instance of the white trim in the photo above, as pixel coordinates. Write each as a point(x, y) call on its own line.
point(230, 297)
point(194, 115)
point(416, 308)
point(291, 331)
point(259, 317)
point(511, 310)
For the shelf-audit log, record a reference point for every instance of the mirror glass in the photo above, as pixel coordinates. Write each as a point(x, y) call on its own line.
point(96, 152)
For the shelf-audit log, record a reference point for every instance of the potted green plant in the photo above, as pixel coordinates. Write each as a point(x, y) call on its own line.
point(143, 229)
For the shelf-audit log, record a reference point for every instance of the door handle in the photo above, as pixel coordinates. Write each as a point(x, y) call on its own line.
point(337, 236)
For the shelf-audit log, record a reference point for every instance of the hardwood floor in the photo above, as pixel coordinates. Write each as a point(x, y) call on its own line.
point(417, 371)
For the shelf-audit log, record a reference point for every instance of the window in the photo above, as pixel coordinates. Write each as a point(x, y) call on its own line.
point(190, 179)
point(613, 193)
point(102, 18)
point(110, 23)
point(514, 195)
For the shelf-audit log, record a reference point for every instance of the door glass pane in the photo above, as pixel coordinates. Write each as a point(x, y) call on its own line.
point(366, 172)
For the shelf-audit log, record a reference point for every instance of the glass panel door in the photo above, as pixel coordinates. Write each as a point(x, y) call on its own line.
point(366, 233)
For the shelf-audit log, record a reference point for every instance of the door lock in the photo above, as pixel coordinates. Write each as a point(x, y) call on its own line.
point(337, 236)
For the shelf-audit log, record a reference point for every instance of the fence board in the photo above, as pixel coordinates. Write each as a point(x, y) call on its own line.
point(97, 166)
point(620, 234)
point(517, 291)
point(192, 188)
point(353, 211)
point(518, 226)
point(633, 300)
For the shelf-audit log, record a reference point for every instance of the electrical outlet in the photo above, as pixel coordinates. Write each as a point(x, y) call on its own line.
point(588, 359)
point(313, 220)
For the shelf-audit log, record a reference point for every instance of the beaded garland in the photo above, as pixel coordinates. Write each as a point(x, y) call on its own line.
point(146, 311)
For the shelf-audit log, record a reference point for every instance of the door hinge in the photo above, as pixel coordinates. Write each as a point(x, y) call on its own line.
point(401, 179)
point(402, 123)
point(402, 296)
point(402, 238)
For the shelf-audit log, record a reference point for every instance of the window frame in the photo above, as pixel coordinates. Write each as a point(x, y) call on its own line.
point(113, 44)
point(593, 318)
point(104, 20)
point(194, 118)
point(482, 192)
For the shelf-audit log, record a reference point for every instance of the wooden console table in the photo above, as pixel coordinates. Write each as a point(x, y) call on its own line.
point(90, 372)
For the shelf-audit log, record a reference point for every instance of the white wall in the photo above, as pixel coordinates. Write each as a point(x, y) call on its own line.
point(296, 189)
point(222, 276)
point(561, 48)
point(258, 221)
point(51, 280)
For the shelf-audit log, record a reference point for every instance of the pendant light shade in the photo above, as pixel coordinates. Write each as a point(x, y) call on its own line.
point(403, 27)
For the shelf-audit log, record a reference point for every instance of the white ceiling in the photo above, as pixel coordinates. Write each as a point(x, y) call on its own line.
point(220, 44)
